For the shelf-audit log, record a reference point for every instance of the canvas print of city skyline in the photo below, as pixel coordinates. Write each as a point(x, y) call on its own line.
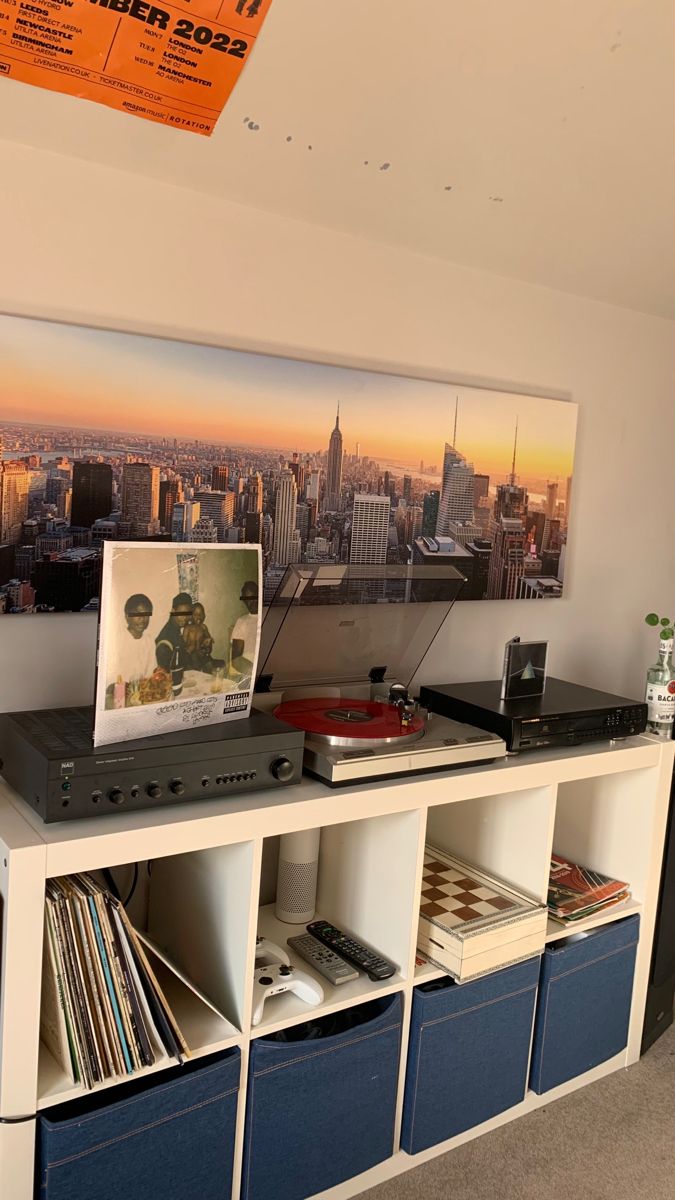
point(110, 436)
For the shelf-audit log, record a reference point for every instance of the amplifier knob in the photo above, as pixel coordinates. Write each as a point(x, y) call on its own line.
point(154, 791)
point(282, 769)
point(177, 787)
point(116, 796)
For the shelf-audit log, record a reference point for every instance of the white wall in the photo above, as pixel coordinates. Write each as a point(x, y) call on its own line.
point(86, 244)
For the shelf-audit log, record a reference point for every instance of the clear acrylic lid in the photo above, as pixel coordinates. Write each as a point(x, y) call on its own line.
point(333, 625)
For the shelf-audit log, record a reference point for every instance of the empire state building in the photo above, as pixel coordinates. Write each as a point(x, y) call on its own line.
point(331, 501)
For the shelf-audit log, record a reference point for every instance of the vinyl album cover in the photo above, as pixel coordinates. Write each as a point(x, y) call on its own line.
point(524, 669)
point(179, 634)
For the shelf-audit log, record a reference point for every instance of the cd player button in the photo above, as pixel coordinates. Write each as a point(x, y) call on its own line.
point(116, 796)
point(282, 769)
point(253, 774)
point(154, 791)
point(177, 787)
point(239, 777)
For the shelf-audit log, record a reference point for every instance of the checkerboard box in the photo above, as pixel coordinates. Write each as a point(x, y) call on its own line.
point(469, 1053)
point(471, 923)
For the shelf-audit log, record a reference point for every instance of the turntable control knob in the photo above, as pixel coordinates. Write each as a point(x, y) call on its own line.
point(154, 791)
point(177, 787)
point(282, 769)
point(116, 796)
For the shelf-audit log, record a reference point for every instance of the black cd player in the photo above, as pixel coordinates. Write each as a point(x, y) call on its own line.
point(565, 715)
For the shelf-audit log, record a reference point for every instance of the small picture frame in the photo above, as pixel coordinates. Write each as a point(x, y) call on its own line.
point(524, 671)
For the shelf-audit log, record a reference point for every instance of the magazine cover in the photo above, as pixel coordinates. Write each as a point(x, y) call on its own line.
point(179, 633)
point(574, 889)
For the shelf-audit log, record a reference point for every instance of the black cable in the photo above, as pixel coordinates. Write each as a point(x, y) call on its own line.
point(108, 876)
point(133, 887)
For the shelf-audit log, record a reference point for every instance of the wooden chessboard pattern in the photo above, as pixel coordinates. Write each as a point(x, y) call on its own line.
point(452, 895)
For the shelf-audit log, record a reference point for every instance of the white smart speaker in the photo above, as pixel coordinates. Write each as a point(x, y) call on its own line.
point(296, 876)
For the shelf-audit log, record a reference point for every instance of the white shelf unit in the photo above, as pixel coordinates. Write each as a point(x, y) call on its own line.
point(605, 806)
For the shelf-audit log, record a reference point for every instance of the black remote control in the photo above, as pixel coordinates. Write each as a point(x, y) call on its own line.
point(375, 966)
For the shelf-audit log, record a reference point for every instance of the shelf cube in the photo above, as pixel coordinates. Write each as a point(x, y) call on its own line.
point(170, 1134)
point(469, 1053)
point(583, 1010)
point(321, 1109)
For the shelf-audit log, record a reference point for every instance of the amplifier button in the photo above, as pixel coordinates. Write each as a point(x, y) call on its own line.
point(154, 791)
point(282, 769)
point(177, 787)
point(116, 796)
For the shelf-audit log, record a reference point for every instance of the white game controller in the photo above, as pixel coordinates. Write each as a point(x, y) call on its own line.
point(268, 952)
point(276, 978)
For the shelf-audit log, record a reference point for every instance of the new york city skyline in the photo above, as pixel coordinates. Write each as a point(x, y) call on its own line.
point(109, 435)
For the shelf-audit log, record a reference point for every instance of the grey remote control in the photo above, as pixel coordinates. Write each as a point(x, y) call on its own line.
point(326, 962)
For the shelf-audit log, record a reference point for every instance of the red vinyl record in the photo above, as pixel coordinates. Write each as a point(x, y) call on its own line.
point(343, 721)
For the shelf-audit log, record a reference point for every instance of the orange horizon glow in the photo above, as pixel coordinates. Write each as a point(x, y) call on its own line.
point(69, 377)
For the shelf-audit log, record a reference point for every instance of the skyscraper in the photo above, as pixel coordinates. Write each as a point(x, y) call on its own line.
point(170, 493)
point(407, 488)
point(286, 498)
point(204, 530)
point(481, 488)
point(331, 500)
point(507, 564)
point(298, 471)
point(313, 484)
point(253, 527)
point(219, 506)
point(551, 497)
point(253, 491)
point(184, 517)
point(92, 493)
point(14, 483)
point(456, 503)
point(140, 498)
point(430, 513)
point(370, 529)
point(219, 477)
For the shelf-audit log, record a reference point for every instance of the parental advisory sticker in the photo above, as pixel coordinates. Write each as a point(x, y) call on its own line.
point(175, 64)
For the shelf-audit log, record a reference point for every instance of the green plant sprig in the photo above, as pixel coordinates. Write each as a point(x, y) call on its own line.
point(666, 631)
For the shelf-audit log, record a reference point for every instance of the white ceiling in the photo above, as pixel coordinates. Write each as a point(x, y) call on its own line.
point(532, 138)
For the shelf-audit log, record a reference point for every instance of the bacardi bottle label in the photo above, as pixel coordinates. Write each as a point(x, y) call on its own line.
point(660, 699)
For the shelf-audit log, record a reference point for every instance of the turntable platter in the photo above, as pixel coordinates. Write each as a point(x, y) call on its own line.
point(351, 723)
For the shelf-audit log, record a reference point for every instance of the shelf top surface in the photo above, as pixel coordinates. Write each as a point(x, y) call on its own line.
point(305, 805)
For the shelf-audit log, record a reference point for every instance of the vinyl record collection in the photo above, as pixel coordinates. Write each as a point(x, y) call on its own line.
point(104, 1014)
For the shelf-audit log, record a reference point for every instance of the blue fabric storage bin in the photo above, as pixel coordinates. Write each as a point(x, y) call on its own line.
point(322, 1110)
point(585, 995)
point(469, 1053)
point(169, 1136)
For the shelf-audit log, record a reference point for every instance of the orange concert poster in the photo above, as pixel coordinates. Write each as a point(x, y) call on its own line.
point(172, 63)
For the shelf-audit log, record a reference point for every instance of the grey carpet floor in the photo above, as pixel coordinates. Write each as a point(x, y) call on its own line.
point(613, 1140)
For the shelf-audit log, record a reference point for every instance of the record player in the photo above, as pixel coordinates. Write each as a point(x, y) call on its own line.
point(339, 650)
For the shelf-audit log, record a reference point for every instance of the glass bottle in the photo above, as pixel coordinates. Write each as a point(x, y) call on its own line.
point(176, 671)
point(660, 694)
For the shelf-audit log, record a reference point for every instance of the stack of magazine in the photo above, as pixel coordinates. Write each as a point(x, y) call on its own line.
point(104, 1014)
point(575, 892)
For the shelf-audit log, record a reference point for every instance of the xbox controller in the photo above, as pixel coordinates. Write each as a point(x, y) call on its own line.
point(276, 978)
point(268, 952)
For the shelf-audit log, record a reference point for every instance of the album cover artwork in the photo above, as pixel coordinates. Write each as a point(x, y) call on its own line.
point(524, 669)
point(179, 635)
